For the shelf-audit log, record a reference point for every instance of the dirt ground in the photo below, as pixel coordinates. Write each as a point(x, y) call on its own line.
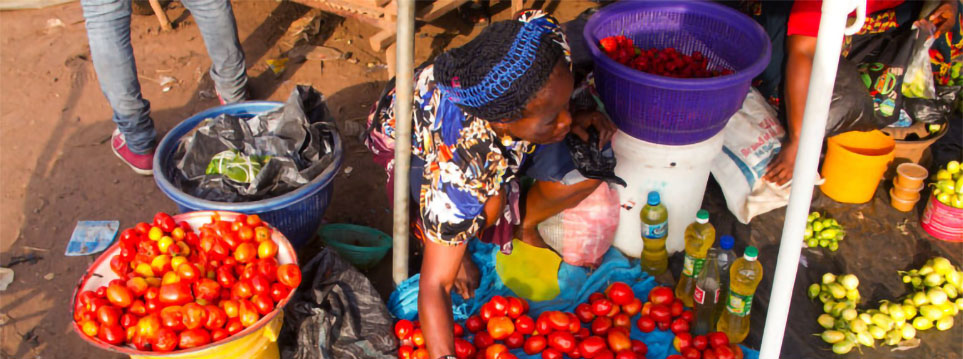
point(56, 166)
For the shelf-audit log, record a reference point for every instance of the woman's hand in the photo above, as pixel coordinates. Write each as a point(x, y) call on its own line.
point(582, 120)
point(943, 17)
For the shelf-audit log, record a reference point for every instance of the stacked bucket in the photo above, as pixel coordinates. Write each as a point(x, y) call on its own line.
point(670, 129)
point(907, 185)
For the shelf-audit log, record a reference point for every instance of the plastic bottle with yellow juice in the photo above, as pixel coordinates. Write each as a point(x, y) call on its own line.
point(744, 277)
point(699, 237)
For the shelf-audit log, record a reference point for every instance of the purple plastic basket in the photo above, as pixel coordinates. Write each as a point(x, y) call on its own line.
point(674, 111)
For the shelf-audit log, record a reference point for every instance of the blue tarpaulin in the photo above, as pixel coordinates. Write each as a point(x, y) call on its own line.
point(575, 283)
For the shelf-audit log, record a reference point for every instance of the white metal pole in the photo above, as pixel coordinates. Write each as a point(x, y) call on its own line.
point(405, 42)
point(831, 29)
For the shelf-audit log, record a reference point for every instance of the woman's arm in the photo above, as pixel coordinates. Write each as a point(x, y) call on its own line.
point(799, 64)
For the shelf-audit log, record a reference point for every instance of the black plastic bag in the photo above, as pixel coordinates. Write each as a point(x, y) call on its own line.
point(882, 61)
point(336, 313)
point(298, 137)
point(851, 108)
point(936, 110)
point(590, 161)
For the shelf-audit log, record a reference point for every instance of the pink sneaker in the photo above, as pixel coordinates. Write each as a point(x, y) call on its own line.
point(141, 164)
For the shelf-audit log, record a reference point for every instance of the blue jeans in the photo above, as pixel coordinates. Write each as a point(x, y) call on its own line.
point(108, 30)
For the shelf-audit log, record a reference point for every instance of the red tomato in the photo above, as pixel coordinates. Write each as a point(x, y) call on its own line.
point(725, 352)
point(119, 295)
point(584, 313)
point(216, 318)
point(495, 351)
point(279, 292)
point(242, 290)
point(645, 324)
point(474, 324)
point(595, 296)
point(175, 293)
point(718, 339)
point(559, 320)
point(500, 327)
point(500, 305)
point(602, 307)
point(458, 330)
point(194, 315)
point(463, 349)
point(591, 346)
point(231, 308)
point(515, 307)
point(619, 341)
point(605, 354)
point(551, 353)
point(247, 313)
point(245, 252)
point(219, 250)
point(119, 266)
point(263, 303)
point(676, 308)
point(487, 312)
point(142, 343)
point(525, 325)
point(90, 328)
point(691, 353)
point(418, 338)
point(267, 249)
point(682, 341)
point(128, 320)
point(153, 305)
point(483, 340)
point(420, 353)
point(700, 342)
point(188, 272)
point(289, 275)
point(166, 340)
point(193, 338)
point(268, 267)
point(660, 313)
point(620, 293)
point(137, 285)
point(262, 233)
point(622, 320)
point(639, 348)
point(142, 228)
point(516, 340)
point(562, 341)
point(148, 326)
point(582, 333)
point(601, 325)
point(253, 220)
point(112, 334)
point(234, 326)
point(260, 285)
point(218, 334)
point(626, 354)
point(245, 234)
point(108, 315)
point(403, 329)
point(543, 325)
point(225, 276)
point(535, 344)
point(679, 326)
point(661, 296)
point(688, 316)
point(164, 221)
point(633, 308)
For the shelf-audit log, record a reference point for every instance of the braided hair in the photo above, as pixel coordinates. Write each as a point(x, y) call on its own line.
point(494, 76)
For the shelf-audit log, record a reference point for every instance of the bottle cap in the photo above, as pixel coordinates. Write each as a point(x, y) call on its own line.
point(654, 198)
point(751, 253)
point(702, 216)
point(726, 242)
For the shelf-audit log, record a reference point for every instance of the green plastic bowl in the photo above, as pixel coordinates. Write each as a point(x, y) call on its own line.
point(362, 246)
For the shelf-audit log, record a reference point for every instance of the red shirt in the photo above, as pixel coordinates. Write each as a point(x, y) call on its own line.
point(804, 16)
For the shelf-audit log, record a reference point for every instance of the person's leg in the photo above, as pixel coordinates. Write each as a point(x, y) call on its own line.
point(215, 18)
point(108, 31)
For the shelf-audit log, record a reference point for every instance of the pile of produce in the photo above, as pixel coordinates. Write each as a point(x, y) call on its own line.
point(181, 289)
point(948, 185)
point(663, 62)
point(822, 231)
point(598, 329)
point(930, 303)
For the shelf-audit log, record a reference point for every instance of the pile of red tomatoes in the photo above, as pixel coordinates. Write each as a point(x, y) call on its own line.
point(664, 62)
point(181, 289)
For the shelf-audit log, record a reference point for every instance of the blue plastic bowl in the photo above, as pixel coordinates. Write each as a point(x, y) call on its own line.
point(675, 111)
point(297, 214)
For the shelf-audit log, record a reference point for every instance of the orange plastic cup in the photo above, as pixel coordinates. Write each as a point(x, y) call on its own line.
point(902, 205)
point(910, 175)
point(906, 193)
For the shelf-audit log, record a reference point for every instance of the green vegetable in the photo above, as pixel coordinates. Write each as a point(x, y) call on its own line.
point(833, 336)
point(826, 321)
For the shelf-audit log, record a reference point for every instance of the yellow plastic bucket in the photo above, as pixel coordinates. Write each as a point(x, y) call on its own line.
point(260, 344)
point(855, 163)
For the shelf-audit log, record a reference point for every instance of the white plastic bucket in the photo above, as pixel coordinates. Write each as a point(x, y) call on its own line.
point(678, 173)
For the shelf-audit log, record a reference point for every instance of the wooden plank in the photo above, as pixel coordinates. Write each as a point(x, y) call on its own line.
point(382, 39)
point(370, 15)
point(517, 5)
point(437, 9)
